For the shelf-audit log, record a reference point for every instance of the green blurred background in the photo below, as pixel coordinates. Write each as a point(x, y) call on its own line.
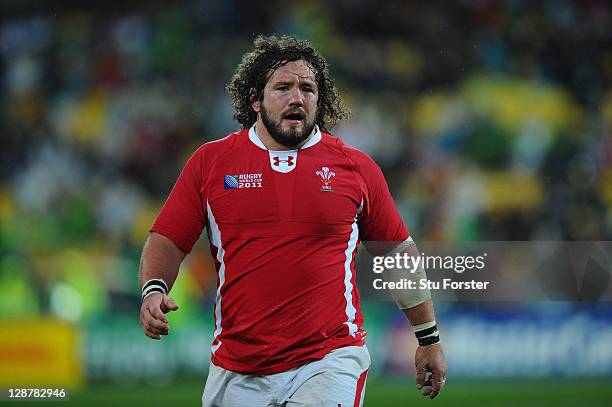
point(492, 120)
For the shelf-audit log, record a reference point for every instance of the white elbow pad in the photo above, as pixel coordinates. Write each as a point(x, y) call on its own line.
point(407, 297)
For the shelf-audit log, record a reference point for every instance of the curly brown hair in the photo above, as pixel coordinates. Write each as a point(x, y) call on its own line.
point(271, 52)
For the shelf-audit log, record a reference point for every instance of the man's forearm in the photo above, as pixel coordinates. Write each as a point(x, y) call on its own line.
point(415, 303)
point(416, 294)
point(420, 314)
point(160, 259)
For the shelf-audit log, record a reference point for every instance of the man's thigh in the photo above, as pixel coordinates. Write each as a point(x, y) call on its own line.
point(225, 388)
point(336, 380)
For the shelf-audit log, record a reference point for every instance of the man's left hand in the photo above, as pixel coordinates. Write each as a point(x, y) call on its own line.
point(430, 361)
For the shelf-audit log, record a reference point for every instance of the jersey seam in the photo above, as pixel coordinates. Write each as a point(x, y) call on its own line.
point(234, 136)
point(357, 169)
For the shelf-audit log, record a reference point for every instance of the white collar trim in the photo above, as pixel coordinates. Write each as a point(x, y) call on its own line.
point(313, 139)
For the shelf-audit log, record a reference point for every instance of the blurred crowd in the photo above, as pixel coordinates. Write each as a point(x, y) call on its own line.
point(491, 120)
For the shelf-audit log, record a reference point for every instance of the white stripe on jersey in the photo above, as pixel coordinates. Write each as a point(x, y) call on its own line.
point(348, 285)
point(215, 239)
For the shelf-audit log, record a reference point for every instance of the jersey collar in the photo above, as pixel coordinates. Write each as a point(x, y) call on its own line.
point(313, 139)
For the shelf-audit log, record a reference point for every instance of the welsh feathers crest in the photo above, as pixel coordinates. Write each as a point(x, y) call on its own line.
point(327, 177)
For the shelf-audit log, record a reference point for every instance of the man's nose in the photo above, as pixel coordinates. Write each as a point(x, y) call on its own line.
point(296, 97)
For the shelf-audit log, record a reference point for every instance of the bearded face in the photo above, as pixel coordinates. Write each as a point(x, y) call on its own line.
point(289, 105)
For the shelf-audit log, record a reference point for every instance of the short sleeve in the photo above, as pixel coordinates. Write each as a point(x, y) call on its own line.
point(380, 220)
point(182, 218)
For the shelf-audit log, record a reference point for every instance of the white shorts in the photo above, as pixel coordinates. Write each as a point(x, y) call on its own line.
point(336, 380)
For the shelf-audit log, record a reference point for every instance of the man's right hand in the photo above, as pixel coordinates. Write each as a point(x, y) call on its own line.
point(152, 314)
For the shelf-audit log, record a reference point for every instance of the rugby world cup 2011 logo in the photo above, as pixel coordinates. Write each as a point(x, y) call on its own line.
point(327, 177)
point(230, 182)
point(243, 181)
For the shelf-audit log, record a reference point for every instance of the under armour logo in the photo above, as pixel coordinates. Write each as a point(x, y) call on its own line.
point(277, 161)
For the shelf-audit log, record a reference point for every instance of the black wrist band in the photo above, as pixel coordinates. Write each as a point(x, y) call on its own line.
point(428, 336)
point(430, 340)
point(154, 285)
point(424, 332)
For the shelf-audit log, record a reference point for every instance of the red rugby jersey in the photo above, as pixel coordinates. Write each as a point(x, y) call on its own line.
point(284, 228)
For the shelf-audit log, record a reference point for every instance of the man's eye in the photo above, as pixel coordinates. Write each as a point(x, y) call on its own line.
point(283, 87)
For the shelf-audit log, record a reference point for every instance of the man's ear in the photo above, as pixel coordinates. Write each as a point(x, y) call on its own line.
point(255, 103)
point(256, 106)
